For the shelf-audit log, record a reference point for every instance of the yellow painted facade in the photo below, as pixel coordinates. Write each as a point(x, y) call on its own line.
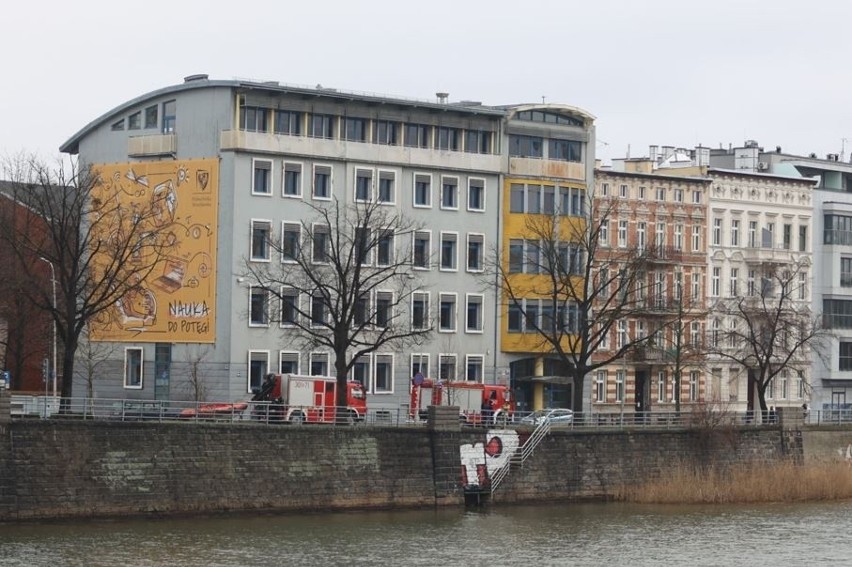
point(175, 302)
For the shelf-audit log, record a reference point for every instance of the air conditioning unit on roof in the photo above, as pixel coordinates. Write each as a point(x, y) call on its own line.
point(762, 166)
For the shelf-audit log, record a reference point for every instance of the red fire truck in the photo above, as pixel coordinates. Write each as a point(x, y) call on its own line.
point(478, 403)
point(307, 399)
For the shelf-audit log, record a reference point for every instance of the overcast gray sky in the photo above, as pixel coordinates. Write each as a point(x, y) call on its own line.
point(663, 72)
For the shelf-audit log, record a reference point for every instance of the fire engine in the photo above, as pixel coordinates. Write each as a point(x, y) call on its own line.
point(307, 399)
point(478, 403)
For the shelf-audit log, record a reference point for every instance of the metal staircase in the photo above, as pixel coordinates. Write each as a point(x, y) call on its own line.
point(521, 455)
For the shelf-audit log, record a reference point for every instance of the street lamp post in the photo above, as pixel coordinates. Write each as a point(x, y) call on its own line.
point(53, 316)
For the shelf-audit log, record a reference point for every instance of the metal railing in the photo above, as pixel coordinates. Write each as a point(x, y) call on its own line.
point(521, 455)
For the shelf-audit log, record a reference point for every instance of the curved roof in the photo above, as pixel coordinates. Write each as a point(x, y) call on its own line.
point(553, 107)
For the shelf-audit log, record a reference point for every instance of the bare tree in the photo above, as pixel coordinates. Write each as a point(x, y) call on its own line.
point(343, 281)
point(571, 292)
point(92, 355)
point(681, 339)
point(99, 243)
point(772, 328)
point(196, 382)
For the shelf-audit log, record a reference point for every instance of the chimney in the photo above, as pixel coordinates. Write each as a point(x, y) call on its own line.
point(442, 97)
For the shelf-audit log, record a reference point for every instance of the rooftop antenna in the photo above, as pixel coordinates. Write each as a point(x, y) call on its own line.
point(542, 99)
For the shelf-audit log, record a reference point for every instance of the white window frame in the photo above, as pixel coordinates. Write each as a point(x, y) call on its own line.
point(603, 233)
point(715, 281)
point(455, 359)
point(252, 256)
point(283, 292)
point(620, 379)
point(372, 189)
point(717, 231)
point(455, 236)
point(127, 362)
point(375, 366)
point(467, 300)
point(284, 225)
point(426, 312)
point(281, 355)
point(420, 356)
point(484, 193)
point(374, 306)
point(270, 182)
point(467, 360)
point(367, 383)
point(328, 242)
point(314, 181)
point(600, 386)
point(262, 289)
point(301, 185)
point(454, 323)
point(428, 265)
point(251, 352)
point(428, 204)
point(394, 176)
point(481, 237)
point(316, 355)
point(622, 234)
point(441, 195)
point(696, 238)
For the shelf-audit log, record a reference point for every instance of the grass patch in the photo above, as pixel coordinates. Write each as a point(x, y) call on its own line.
point(775, 482)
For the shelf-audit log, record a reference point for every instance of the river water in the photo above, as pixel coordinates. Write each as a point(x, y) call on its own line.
point(569, 534)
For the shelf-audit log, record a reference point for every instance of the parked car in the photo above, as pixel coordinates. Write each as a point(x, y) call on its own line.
point(553, 416)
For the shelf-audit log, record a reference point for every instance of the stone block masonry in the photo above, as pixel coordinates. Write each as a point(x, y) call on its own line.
point(65, 469)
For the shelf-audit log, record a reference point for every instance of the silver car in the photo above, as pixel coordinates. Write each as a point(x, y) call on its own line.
point(553, 416)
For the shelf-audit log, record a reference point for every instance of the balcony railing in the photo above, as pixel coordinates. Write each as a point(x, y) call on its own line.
point(767, 255)
point(659, 253)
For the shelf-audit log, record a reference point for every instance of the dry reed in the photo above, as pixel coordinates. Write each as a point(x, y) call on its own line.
point(775, 482)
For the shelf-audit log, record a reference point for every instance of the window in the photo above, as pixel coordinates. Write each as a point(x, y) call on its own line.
point(133, 367)
point(548, 118)
point(422, 190)
point(752, 234)
point(322, 182)
point(387, 187)
point(253, 119)
point(604, 189)
point(422, 249)
point(446, 367)
point(735, 232)
point(118, 125)
point(262, 177)
point(715, 281)
point(803, 238)
point(516, 256)
point(319, 316)
point(475, 194)
point(548, 200)
point(363, 184)
point(621, 336)
point(837, 313)
point(291, 235)
point(564, 150)
point(661, 386)
point(362, 248)
point(531, 311)
point(321, 125)
point(750, 285)
point(534, 199)
point(622, 234)
point(693, 386)
point(447, 313)
point(258, 361)
point(292, 179)
point(449, 138)
point(603, 233)
point(319, 364)
point(619, 385)
point(845, 272)
point(845, 356)
point(383, 382)
point(420, 364)
point(475, 251)
point(784, 385)
point(417, 135)
point(717, 232)
point(787, 236)
point(385, 132)
point(289, 307)
point(532, 259)
point(477, 141)
point(600, 386)
point(420, 310)
point(803, 286)
point(678, 237)
point(714, 332)
point(623, 191)
point(384, 248)
point(660, 237)
point(475, 364)
point(449, 251)
point(641, 193)
point(696, 238)
point(134, 121)
point(151, 116)
point(258, 307)
point(515, 324)
point(361, 371)
point(525, 146)
point(734, 288)
point(696, 197)
point(695, 334)
point(661, 193)
point(800, 384)
point(678, 195)
point(288, 362)
point(474, 313)
point(384, 309)
point(261, 232)
point(449, 193)
point(320, 239)
point(516, 198)
point(169, 116)
point(361, 311)
point(288, 122)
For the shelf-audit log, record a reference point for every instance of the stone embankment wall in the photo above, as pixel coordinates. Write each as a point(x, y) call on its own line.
point(57, 468)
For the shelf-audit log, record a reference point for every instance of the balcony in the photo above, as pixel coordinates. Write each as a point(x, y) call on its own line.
point(152, 146)
point(768, 255)
point(649, 355)
point(663, 254)
point(658, 305)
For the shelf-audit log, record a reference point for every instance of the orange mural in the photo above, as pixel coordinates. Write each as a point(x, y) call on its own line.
point(174, 301)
